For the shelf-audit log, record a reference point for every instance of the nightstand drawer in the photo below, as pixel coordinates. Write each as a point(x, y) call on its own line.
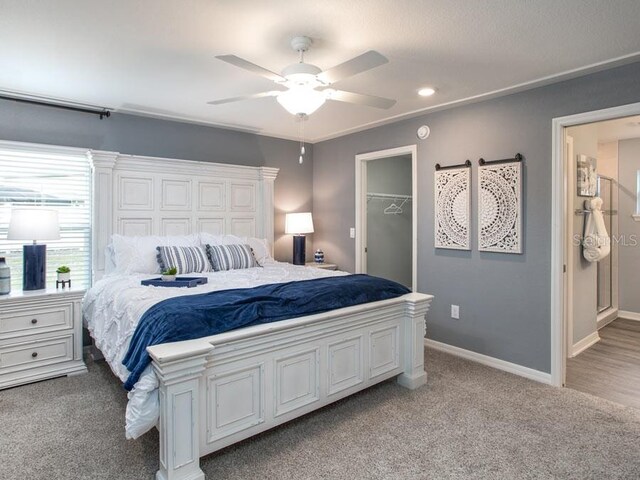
point(35, 320)
point(34, 354)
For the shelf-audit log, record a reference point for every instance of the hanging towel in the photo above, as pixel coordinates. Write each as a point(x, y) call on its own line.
point(596, 243)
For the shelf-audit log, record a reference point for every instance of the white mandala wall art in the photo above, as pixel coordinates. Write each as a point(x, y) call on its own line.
point(453, 205)
point(500, 208)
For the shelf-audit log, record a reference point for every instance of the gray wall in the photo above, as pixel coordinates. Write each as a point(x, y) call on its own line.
point(504, 299)
point(130, 134)
point(585, 298)
point(389, 236)
point(629, 230)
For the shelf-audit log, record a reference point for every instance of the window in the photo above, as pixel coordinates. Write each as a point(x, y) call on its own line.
point(56, 178)
point(637, 215)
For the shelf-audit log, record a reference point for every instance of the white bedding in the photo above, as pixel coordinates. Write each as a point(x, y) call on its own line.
point(113, 307)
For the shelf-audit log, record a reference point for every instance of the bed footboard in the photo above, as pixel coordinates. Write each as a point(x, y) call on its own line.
point(222, 389)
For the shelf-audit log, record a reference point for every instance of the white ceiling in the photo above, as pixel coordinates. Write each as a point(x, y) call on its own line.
point(156, 57)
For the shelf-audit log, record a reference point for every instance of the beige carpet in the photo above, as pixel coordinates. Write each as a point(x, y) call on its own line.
point(470, 421)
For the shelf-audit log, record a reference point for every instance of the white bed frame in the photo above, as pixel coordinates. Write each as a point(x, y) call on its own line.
point(218, 390)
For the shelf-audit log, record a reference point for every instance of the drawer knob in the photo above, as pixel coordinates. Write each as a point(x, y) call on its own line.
point(34, 354)
point(34, 321)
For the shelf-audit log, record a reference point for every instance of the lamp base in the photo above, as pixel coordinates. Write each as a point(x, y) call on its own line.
point(299, 253)
point(34, 267)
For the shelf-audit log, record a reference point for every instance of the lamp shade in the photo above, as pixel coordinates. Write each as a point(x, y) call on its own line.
point(301, 100)
point(298, 223)
point(34, 224)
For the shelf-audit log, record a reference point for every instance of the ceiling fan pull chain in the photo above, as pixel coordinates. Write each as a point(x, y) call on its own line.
point(301, 133)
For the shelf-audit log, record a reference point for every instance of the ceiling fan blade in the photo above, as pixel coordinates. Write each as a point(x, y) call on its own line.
point(244, 97)
point(359, 98)
point(359, 64)
point(252, 67)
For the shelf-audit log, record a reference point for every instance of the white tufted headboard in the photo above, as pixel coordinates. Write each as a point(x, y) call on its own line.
point(136, 195)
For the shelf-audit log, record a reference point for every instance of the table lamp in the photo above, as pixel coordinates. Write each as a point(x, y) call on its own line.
point(297, 224)
point(34, 224)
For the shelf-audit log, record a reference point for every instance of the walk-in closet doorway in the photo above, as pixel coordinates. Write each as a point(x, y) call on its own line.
point(386, 213)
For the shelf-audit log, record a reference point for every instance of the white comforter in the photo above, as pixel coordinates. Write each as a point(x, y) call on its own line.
point(113, 307)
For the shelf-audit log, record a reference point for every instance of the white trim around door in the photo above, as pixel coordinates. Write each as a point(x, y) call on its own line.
point(361, 206)
point(560, 293)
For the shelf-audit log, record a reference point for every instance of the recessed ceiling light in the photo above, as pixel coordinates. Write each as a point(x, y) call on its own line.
point(426, 92)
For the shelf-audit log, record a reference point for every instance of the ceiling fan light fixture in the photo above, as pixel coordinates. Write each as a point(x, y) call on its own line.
point(301, 101)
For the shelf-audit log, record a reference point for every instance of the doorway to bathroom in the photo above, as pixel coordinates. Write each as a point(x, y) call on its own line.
point(386, 212)
point(602, 178)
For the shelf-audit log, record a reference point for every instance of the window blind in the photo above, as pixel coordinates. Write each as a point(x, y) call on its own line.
point(58, 179)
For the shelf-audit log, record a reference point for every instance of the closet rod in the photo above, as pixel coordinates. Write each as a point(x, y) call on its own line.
point(388, 195)
point(101, 111)
point(465, 164)
point(517, 158)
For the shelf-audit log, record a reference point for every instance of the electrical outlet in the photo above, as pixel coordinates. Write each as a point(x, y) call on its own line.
point(352, 232)
point(455, 312)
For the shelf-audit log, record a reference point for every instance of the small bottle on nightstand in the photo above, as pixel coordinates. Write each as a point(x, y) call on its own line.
point(5, 277)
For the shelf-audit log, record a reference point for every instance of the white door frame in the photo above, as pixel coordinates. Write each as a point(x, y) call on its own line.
point(361, 206)
point(570, 175)
point(560, 212)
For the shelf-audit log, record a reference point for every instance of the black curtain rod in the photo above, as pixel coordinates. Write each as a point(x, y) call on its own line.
point(517, 158)
point(102, 112)
point(465, 164)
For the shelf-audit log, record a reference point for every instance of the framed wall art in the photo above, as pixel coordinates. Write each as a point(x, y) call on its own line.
point(452, 207)
point(587, 177)
point(500, 206)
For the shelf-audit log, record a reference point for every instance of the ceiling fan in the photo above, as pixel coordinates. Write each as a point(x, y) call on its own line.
point(308, 87)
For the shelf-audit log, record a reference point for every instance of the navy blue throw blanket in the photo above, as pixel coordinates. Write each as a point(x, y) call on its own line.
point(196, 316)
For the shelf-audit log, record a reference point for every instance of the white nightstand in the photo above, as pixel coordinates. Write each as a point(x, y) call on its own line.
point(40, 335)
point(324, 266)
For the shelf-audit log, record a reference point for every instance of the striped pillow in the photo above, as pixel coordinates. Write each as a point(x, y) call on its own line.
point(184, 259)
point(231, 257)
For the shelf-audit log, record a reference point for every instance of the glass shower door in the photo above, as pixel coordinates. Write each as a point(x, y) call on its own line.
point(605, 266)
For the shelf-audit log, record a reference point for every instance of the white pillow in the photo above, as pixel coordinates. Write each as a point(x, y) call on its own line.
point(261, 249)
point(260, 246)
point(139, 254)
point(211, 239)
point(109, 260)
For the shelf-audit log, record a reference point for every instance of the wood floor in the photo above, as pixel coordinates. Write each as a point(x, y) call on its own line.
point(611, 368)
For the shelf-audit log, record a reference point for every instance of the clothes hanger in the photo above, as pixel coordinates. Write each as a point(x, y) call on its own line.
point(393, 209)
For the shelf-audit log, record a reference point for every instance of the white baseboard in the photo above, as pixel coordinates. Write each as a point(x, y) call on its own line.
point(585, 343)
point(606, 317)
point(514, 368)
point(629, 315)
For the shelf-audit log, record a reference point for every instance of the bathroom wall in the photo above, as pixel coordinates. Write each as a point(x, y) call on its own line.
point(585, 308)
point(608, 159)
point(629, 228)
point(389, 236)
